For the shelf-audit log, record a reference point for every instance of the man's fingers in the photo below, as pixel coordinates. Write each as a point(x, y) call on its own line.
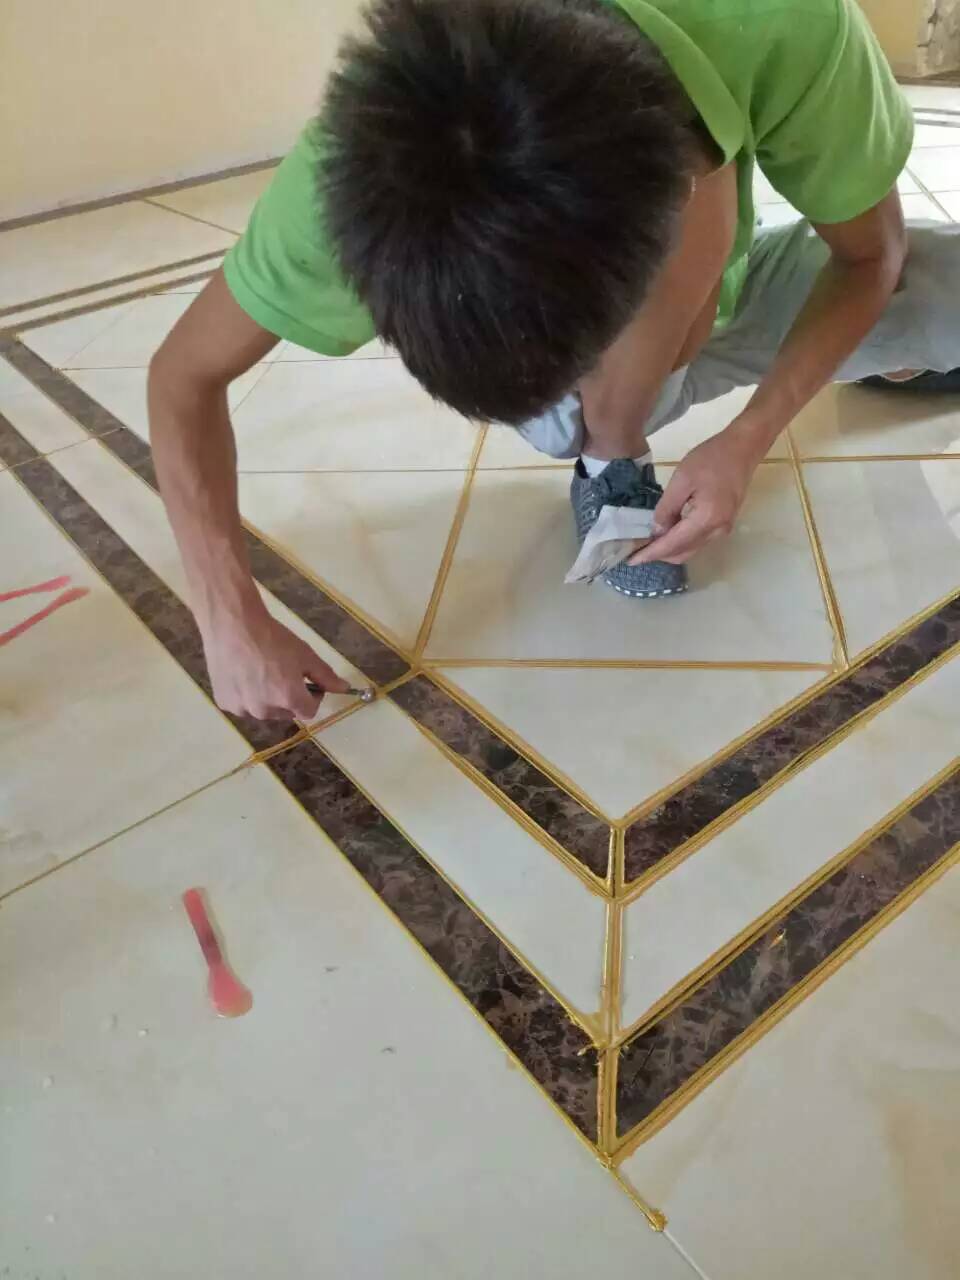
point(670, 507)
point(681, 541)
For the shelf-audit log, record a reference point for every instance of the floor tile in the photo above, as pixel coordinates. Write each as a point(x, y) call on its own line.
point(950, 200)
point(764, 192)
point(700, 906)
point(348, 415)
point(850, 421)
point(88, 248)
point(137, 333)
point(227, 203)
point(57, 343)
point(932, 97)
point(890, 533)
point(622, 735)
point(907, 183)
point(358, 1088)
point(528, 895)
point(124, 392)
point(136, 513)
point(919, 207)
point(755, 597)
point(97, 714)
point(938, 168)
point(504, 448)
point(36, 417)
point(375, 537)
point(937, 135)
point(673, 442)
point(832, 1143)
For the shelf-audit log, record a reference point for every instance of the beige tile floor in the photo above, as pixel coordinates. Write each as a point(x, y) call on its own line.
point(359, 1121)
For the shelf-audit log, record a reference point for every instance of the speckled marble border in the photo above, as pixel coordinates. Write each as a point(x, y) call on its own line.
point(358, 645)
point(691, 810)
point(661, 1060)
point(162, 612)
point(581, 833)
point(530, 1022)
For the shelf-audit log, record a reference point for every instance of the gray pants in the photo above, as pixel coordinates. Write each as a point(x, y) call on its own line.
point(920, 328)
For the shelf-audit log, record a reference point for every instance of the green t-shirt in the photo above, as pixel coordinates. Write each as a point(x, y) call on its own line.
point(799, 86)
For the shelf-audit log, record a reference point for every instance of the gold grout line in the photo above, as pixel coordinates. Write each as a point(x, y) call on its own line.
point(794, 766)
point(446, 560)
point(729, 749)
point(606, 1102)
point(520, 745)
point(720, 959)
point(881, 457)
point(191, 217)
point(655, 1219)
point(755, 1032)
point(290, 558)
point(593, 883)
point(116, 835)
point(612, 971)
point(588, 1023)
point(139, 193)
point(622, 664)
point(833, 677)
point(79, 292)
point(396, 922)
point(113, 301)
point(841, 651)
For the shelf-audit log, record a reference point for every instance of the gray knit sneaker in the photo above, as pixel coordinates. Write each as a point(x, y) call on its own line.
point(623, 484)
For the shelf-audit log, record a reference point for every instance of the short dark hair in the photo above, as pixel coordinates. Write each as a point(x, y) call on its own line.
point(500, 180)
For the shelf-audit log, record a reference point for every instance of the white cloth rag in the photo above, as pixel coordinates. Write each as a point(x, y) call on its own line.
point(617, 534)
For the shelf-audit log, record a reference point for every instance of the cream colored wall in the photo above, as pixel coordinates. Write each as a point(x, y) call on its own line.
point(897, 24)
point(103, 96)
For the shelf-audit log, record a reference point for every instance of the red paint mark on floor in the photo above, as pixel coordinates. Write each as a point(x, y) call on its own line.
point(68, 597)
point(53, 585)
point(229, 996)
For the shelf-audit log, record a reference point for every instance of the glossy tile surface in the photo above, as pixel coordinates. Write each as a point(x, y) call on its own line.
point(564, 812)
point(864, 1070)
point(90, 693)
point(375, 537)
point(891, 535)
point(89, 248)
point(850, 421)
point(624, 735)
point(357, 1069)
point(702, 905)
point(536, 903)
point(755, 598)
point(348, 415)
point(227, 203)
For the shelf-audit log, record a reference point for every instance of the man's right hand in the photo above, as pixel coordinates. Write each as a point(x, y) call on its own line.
point(259, 670)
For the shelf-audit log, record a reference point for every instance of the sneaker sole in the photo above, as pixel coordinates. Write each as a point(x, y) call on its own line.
point(648, 595)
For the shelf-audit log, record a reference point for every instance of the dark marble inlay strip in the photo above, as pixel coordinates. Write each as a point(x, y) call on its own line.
point(360, 646)
point(526, 1017)
point(661, 1060)
point(691, 810)
point(580, 832)
point(164, 614)
point(14, 448)
point(93, 417)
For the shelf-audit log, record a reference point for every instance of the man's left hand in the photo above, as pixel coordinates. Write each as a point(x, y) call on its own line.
point(704, 496)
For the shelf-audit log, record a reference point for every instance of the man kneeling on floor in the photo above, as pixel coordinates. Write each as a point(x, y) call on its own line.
point(545, 206)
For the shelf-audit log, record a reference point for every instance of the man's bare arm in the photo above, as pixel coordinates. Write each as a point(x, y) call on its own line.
point(256, 665)
point(674, 322)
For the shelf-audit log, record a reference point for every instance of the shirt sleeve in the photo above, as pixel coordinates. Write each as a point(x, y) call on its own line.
point(283, 272)
point(837, 133)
